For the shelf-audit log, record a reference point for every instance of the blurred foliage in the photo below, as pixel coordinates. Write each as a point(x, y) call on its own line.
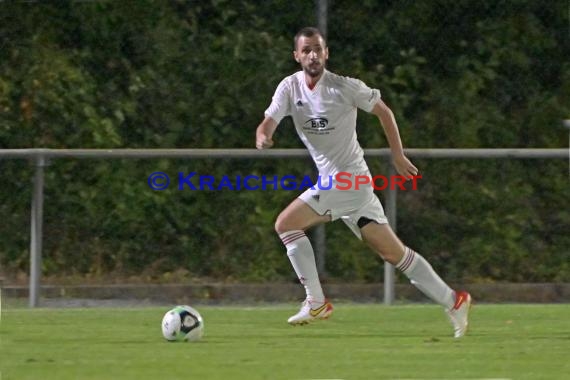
point(199, 74)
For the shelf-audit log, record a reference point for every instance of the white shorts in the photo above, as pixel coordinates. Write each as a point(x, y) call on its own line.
point(348, 205)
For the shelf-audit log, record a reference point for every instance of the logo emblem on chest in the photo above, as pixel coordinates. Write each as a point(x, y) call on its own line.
point(316, 124)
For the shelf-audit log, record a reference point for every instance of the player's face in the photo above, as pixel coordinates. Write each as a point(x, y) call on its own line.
point(312, 54)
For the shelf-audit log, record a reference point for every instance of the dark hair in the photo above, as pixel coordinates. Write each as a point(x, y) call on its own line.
point(307, 31)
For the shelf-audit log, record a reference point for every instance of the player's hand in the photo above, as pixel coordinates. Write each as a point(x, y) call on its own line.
point(262, 142)
point(404, 167)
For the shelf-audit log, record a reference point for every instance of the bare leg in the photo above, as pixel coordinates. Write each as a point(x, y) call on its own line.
point(385, 243)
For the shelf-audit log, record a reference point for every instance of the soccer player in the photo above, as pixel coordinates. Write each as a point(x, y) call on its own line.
point(323, 106)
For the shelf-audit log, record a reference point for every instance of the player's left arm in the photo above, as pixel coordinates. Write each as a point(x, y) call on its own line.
point(388, 121)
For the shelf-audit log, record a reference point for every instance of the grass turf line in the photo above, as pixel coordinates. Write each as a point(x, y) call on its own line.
point(358, 342)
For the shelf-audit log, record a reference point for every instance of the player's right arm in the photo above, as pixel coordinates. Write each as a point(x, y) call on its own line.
point(264, 133)
point(277, 110)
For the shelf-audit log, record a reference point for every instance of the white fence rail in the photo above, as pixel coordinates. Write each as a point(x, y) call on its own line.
point(41, 157)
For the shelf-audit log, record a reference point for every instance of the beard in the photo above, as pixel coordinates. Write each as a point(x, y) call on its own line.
point(314, 71)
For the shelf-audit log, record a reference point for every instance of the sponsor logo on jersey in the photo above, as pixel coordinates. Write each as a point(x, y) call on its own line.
point(318, 126)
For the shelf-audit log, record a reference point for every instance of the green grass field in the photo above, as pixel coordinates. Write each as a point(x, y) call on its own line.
point(358, 342)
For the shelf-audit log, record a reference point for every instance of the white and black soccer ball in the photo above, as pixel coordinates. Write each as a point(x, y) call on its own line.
point(183, 323)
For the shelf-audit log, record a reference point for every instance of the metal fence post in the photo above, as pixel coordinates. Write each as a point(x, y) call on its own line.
point(389, 277)
point(566, 123)
point(36, 230)
point(322, 16)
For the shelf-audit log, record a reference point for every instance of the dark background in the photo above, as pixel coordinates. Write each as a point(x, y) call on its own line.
point(199, 74)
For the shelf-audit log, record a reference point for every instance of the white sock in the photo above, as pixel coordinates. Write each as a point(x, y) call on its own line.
point(302, 257)
point(423, 277)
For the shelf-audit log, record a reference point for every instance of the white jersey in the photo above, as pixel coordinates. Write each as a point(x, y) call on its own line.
point(325, 118)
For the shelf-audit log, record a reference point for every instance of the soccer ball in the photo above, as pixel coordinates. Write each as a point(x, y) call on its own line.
point(182, 323)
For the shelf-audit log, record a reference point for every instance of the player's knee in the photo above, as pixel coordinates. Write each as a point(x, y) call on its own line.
point(284, 224)
point(281, 225)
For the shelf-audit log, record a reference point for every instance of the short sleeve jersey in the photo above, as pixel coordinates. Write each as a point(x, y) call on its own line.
point(325, 118)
